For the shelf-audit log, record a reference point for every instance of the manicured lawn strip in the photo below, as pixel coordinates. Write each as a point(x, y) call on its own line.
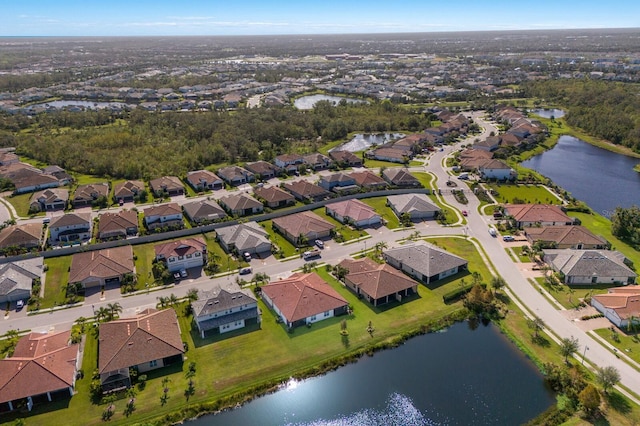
point(287, 248)
point(20, 203)
point(449, 211)
point(518, 252)
point(56, 280)
point(347, 232)
point(415, 163)
point(627, 343)
point(226, 261)
point(144, 255)
point(380, 205)
point(533, 194)
point(570, 297)
point(426, 179)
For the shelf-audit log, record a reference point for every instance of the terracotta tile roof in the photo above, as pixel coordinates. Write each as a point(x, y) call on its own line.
point(102, 264)
point(367, 179)
point(353, 209)
point(345, 156)
point(170, 183)
point(625, 301)
point(536, 213)
point(21, 235)
point(262, 168)
point(564, 235)
point(306, 189)
point(91, 191)
point(41, 363)
point(167, 209)
point(196, 177)
point(273, 194)
point(303, 295)
point(149, 336)
point(110, 222)
point(181, 247)
point(376, 280)
point(128, 188)
point(303, 223)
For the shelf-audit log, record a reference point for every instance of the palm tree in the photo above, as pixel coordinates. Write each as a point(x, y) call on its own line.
point(103, 314)
point(192, 294)
point(81, 321)
point(380, 246)
point(114, 309)
point(173, 299)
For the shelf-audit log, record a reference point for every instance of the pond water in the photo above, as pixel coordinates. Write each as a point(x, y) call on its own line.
point(602, 179)
point(83, 104)
point(457, 377)
point(548, 113)
point(307, 102)
point(362, 141)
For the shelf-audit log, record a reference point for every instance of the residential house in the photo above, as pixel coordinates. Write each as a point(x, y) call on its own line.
point(303, 299)
point(167, 185)
point(246, 237)
point(221, 310)
point(590, 266)
point(400, 177)
point(182, 254)
point(202, 180)
point(241, 204)
point(43, 366)
point(148, 341)
point(118, 225)
point(497, 169)
point(127, 191)
point(620, 305)
point(489, 144)
point(353, 212)
point(274, 197)
point(369, 180)
point(306, 191)
point(235, 175)
point(537, 214)
point(345, 159)
point(26, 236)
point(203, 211)
point(263, 170)
point(317, 161)
point(8, 157)
point(70, 228)
point(16, 278)
point(97, 268)
point(49, 200)
point(417, 206)
point(289, 162)
point(565, 237)
point(390, 153)
point(341, 183)
point(85, 195)
point(27, 178)
point(424, 262)
point(167, 215)
point(472, 159)
point(300, 228)
point(378, 284)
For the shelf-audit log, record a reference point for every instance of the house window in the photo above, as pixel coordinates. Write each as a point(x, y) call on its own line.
point(326, 314)
point(197, 254)
point(172, 259)
point(189, 256)
point(180, 257)
point(153, 363)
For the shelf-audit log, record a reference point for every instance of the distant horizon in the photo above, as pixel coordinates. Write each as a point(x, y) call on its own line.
point(166, 18)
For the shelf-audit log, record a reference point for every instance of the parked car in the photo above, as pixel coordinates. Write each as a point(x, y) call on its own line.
point(245, 271)
point(19, 305)
point(246, 256)
point(183, 273)
point(508, 238)
point(320, 244)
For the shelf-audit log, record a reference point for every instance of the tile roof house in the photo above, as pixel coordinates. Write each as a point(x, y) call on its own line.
point(400, 177)
point(390, 153)
point(235, 175)
point(472, 159)
point(537, 214)
point(590, 266)
point(27, 178)
point(146, 342)
point(169, 185)
point(244, 237)
point(221, 310)
point(202, 180)
point(41, 365)
point(565, 236)
point(369, 180)
point(378, 284)
point(203, 211)
point(317, 161)
point(263, 170)
point(127, 191)
point(424, 262)
point(345, 158)
point(497, 169)
point(26, 235)
point(49, 199)
point(274, 197)
point(341, 183)
point(306, 191)
point(70, 227)
point(417, 206)
point(118, 225)
point(307, 225)
point(241, 204)
point(303, 299)
point(182, 254)
point(163, 215)
point(85, 195)
point(16, 278)
point(620, 305)
point(289, 162)
point(353, 212)
point(99, 267)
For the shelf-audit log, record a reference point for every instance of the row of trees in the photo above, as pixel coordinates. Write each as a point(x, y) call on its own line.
point(625, 224)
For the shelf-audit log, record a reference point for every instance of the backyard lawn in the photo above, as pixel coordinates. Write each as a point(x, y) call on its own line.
point(144, 255)
point(380, 205)
point(287, 248)
point(570, 296)
point(528, 194)
point(226, 261)
point(347, 232)
point(56, 280)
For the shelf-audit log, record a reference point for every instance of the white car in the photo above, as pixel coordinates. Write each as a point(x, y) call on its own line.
point(19, 305)
point(320, 244)
point(245, 271)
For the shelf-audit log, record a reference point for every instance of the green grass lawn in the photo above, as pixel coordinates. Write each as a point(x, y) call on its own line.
point(56, 280)
point(144, 255)
point(533, 194)
point(346, 231)
point(628, 343)
point(380, 205)
point(287, 248)
point(570, 296)
point(20, 203)
point(226, 261)
point(426, 179)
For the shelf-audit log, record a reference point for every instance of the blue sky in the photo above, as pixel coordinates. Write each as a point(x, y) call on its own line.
point(258, 17)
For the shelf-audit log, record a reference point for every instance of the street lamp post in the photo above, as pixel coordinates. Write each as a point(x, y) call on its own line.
point(586, 348)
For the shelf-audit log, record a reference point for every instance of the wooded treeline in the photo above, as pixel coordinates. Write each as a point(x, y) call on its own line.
point(607, 110)
point(145, 145)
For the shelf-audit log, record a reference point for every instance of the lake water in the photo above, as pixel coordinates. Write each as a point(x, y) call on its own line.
point(600, 178)
point(362, 141)
point(548, 113)
point(83, 104)
point(458, 377)
point(307, 102)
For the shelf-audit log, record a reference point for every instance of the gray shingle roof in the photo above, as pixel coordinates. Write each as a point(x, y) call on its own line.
point(602, 263)
point(425, 258)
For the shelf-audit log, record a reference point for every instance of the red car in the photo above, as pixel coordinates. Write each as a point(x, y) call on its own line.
point(464, 212)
